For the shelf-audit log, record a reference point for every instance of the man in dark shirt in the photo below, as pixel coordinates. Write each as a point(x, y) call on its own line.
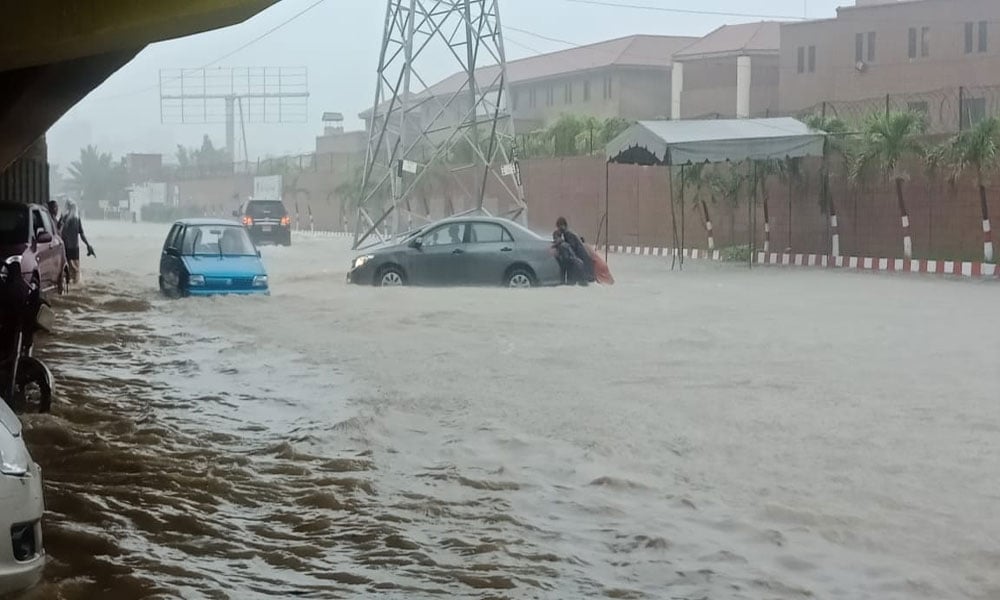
point(570, 266)
point(579, 249)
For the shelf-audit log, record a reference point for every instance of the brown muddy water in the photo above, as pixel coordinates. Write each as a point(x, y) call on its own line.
point(716, 434)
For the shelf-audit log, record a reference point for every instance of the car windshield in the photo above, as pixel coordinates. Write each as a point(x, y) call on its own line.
point(13, 225)
point(217, 240)
point(262, 209)
point(526, 231)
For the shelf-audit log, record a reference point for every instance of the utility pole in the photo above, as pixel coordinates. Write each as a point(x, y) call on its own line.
point(415, 128)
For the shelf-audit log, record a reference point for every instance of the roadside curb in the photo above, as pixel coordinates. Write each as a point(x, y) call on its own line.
point(975, 270)
point(323, 234)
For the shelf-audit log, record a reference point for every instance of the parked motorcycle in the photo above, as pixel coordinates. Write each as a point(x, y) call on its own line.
point(25, 382)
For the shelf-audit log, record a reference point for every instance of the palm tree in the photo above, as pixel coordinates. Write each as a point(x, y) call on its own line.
point(765, 170)
point(977, 149)
point(833, 145)
point(888, 140)
point(725, 182)
point(97, 178)
point(696, 178)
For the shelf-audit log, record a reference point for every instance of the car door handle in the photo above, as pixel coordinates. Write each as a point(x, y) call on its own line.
point(506, 249)
point(458, 251)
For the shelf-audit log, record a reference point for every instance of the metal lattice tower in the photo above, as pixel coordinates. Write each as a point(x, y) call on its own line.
point(459, 130)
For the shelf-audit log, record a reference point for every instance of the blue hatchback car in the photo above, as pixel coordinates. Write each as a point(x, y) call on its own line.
point(206, 257)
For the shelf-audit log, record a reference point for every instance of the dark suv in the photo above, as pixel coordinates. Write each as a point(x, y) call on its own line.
point(267, 222)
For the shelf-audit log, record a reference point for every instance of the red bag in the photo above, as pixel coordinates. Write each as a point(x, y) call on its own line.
point(601, 271)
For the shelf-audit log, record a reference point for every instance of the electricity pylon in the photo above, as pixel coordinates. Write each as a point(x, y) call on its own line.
point(459, 130)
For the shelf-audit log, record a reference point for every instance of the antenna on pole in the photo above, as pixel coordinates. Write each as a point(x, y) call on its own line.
point(459, 131)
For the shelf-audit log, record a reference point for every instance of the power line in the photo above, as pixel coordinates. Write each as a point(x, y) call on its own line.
point(221, 58)
point(684, 11)
point(540, 36)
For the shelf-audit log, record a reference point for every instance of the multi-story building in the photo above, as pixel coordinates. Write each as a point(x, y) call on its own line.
point(628, 77)
point(731, 72)
point(941, 57)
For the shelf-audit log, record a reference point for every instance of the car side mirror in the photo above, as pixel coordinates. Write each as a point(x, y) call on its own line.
point(258, 252)
point(417, 243)
point(171, 251)
point(43, 237)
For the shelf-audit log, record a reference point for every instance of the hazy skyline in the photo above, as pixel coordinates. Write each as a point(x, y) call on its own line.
point(338, 42)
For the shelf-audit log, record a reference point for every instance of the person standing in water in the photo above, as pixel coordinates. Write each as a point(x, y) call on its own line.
point(71, 229)
point(578, 247)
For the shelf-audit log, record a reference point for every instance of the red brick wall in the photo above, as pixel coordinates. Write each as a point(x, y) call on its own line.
point(945, 220)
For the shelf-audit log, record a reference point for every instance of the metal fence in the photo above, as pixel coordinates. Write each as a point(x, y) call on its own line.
point(948, 110)
point(279, 165)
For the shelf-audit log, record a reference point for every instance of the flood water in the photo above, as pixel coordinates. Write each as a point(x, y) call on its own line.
point(712, 434)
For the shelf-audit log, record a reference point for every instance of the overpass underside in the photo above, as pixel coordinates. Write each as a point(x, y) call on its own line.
point(55, 52)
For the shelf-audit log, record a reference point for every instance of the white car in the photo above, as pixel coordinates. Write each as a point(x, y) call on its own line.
point(22, 556)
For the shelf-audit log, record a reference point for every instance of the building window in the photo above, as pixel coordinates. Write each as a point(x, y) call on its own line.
point(969, 29)
point(913, 43)
point(812, 59)
point(925, 42)
point(514, 98)
point(861, 53)
point(550, 96)
point(608, 91)
point(973, 111)
point(984, 28)
point(802, 59)
point(568, 93)
point(533, 97)
point(586, 91)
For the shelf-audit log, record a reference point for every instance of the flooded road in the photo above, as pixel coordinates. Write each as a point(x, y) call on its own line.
point(716, 434)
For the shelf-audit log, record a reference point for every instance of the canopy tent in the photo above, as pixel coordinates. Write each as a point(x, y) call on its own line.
point(681, 143)
point(675, 143)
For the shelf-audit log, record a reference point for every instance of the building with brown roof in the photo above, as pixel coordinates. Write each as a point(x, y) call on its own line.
point(731, 72)
point(627, 77)
point(941, 57)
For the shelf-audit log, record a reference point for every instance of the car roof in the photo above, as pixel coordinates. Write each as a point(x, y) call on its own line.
point(208, 221)
point(466, 219)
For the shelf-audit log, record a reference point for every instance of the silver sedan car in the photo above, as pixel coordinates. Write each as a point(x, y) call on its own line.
point(461, 251)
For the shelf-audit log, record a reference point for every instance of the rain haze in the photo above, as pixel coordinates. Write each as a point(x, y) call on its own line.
point(338, 41)
point(709, 313)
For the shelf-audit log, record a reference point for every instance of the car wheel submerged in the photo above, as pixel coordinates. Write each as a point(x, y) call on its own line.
point(33, 391)
point(520, 277)
point(391, 276)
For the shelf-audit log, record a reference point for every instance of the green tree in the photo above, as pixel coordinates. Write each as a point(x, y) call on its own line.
point(98, 178)
point(564, 133)
point(978, 150)
point(695, 179)
point(203, 158)
point(888, 140)
point(833, 148)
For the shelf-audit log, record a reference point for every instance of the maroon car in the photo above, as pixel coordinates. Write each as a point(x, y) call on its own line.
point(27, 230)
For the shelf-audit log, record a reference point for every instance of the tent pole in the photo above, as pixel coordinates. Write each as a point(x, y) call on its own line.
point(682, 217)
point(789, 211)
point(752, 216)
point(673, 216)
point(607, 212)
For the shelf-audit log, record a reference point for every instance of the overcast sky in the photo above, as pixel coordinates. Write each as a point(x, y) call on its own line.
point(338, 41)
